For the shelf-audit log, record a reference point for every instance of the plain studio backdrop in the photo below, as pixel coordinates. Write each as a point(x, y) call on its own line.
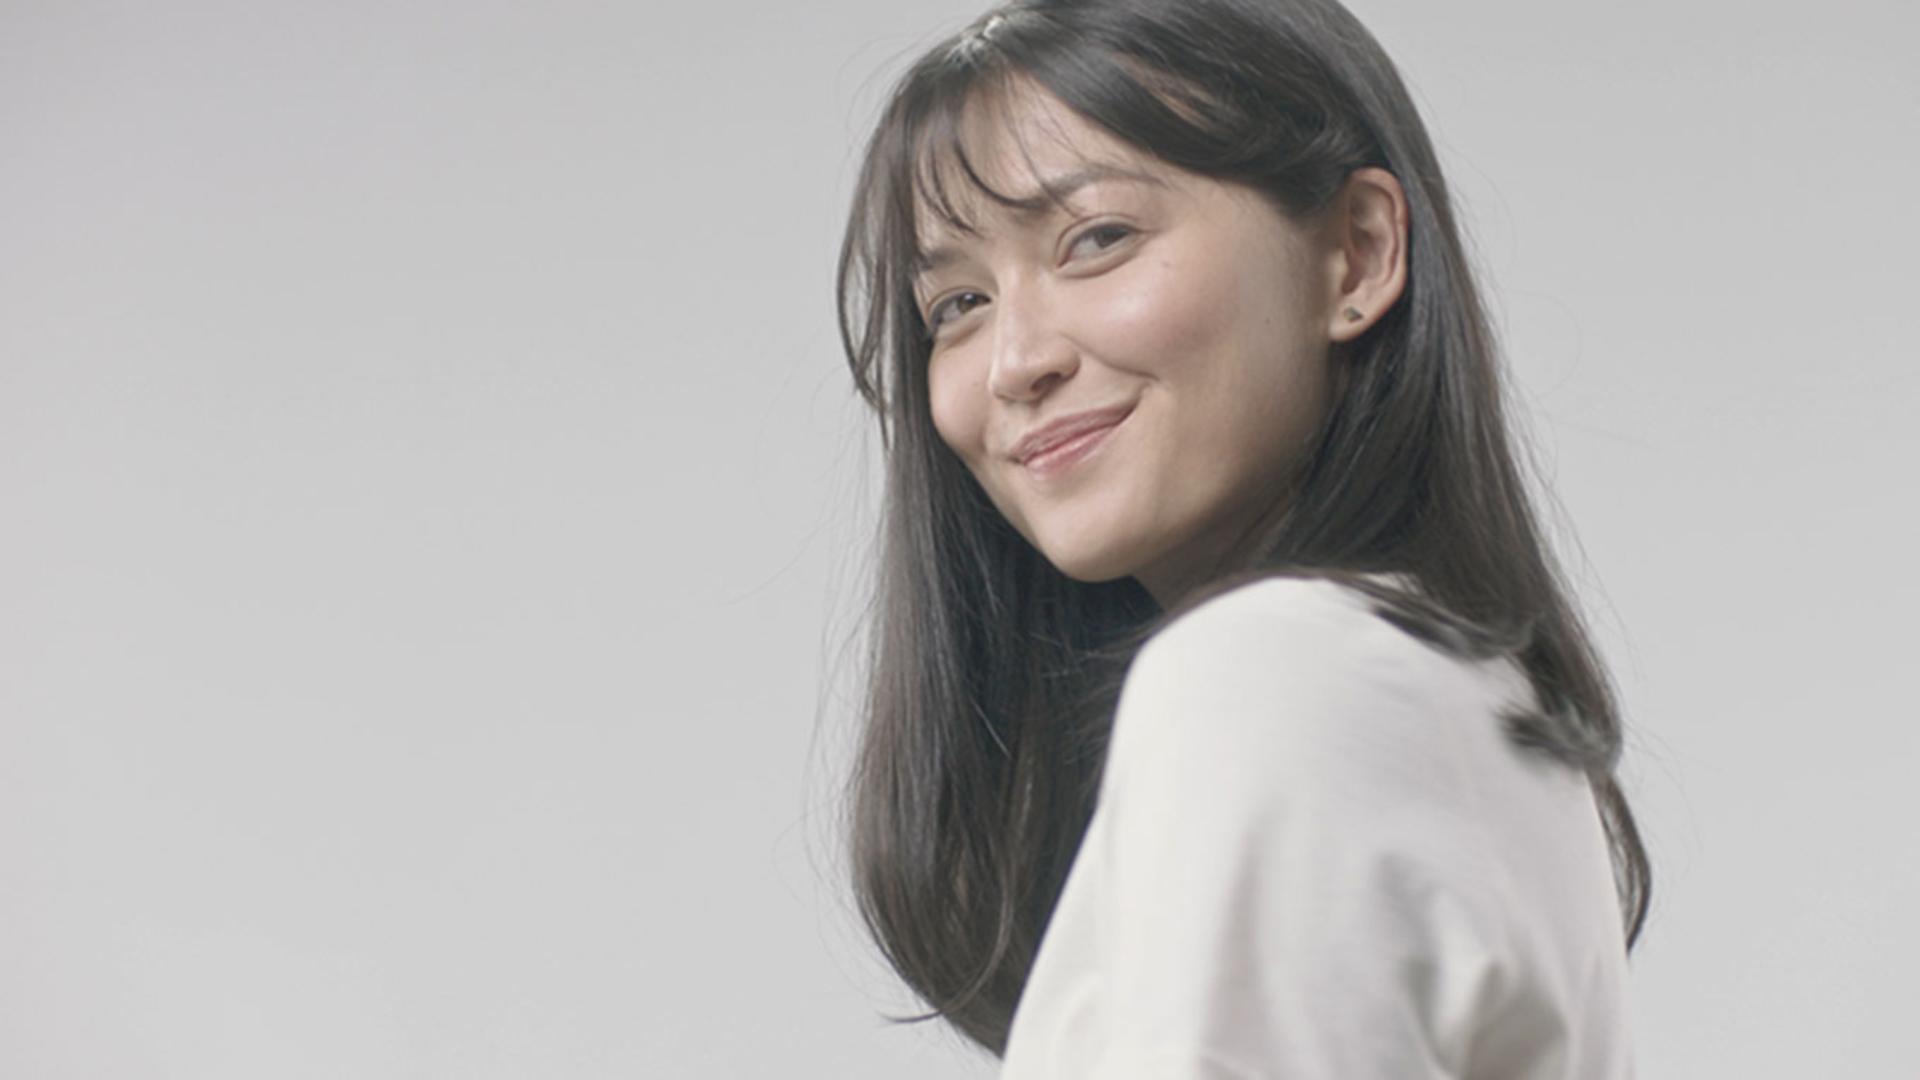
point(434, 513)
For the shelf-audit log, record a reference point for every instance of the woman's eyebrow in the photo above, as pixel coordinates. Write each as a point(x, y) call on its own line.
point(1040, 202)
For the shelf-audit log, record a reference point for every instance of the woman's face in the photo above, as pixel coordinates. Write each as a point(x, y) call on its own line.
point(1187, 316)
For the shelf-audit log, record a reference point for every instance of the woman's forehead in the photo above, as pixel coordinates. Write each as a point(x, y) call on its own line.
point(1030, 152)
point(1035, 200)
point(1041, 189)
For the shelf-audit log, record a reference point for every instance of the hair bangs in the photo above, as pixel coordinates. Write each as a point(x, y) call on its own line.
point(941, 160)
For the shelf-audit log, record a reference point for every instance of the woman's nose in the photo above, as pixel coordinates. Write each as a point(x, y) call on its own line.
point(1030, 354)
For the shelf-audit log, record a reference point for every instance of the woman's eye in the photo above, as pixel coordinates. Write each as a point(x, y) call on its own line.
point(933, 317)
point(1113, 232)
point(1117, 231)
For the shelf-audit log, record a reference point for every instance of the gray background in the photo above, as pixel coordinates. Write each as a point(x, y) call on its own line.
point(433, 515)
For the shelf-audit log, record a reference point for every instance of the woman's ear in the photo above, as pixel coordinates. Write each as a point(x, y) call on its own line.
point(1367, 232)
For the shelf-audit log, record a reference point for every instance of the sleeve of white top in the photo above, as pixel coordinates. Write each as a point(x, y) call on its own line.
point(1296, 884)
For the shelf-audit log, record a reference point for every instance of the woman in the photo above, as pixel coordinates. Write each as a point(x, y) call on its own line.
point(1227, 715)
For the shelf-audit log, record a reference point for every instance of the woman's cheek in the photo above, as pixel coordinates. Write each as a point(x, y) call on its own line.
point(1158, 315)
point(958, 415)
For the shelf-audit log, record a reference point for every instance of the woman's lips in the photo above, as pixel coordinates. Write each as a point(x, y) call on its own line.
point(1059, 459)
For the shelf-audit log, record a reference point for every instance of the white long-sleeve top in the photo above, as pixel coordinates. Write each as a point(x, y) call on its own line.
point(1316, 856)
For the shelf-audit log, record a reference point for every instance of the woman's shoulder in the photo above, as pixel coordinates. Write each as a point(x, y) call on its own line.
point(1314, 814)
point(1290, 669)
point(1293, 631)
point(1273, 604)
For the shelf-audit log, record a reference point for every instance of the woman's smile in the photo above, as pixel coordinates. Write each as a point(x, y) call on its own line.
point(1055, 462)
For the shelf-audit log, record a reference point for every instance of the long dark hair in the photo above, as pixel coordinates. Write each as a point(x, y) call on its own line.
point(993, 676)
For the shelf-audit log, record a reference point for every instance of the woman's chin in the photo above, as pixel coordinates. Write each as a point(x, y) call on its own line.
point(1093, 566)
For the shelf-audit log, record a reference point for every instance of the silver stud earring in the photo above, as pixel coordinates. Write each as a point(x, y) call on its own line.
point(1353, 315)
